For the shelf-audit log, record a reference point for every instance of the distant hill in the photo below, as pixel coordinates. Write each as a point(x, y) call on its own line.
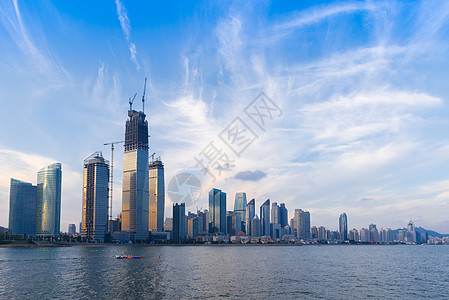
point(420, 230)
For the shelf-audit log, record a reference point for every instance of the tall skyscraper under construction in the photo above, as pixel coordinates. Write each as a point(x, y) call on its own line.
point(157, 195)
point(135, 192)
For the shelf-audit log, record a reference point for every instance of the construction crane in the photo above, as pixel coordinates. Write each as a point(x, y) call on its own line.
point(143, 95)
point(131, 102)
point(152, 156)
point(111, 180)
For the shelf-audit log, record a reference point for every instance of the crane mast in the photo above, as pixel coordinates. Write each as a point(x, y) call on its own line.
point(111, 181)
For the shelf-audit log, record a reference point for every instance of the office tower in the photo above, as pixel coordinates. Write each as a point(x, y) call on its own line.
point(373, 233)
point(302, 224)
point(22, 208)
point(275, 212)
point(217, 211)
point(255, 227)
point(314, 232)
point(48, 203)
point(95, 197)
point(179, 222)
point(321, 233)
point(265, 218)
point(276, 230)
point(157, 195)
point(135, 193)
point(283, 215)
point(240, 209)
point(72, 229)
point(250, 214)
point(232, 218)
point(343, 227)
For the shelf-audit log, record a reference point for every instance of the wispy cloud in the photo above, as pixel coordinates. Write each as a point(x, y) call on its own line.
point(40, 60)
point(126, 27)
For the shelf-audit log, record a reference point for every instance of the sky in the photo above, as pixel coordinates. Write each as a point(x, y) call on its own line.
point(358, 95)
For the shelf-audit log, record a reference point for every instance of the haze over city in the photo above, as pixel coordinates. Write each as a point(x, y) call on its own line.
point(362, 87)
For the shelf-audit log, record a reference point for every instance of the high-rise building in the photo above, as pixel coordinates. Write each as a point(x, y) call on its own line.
point(217, 211)
point(373, 233)
point(72, 229)
point(275, 213)
point(240, 209)
point(232, 220)
point(321, 233)
point(94, 224)
point(135, 192)
point(157, 196)
point(22, 208)
point(179, 222)
point(255, 227)
point(302, 224)
point(354, 235)
point(250, 214)
point(411, 233)
point(314, 232)
point(343, 227)
point(364, 235)
point(48, 203)
point(168, 224)
point(265, 218)
point(389, 236)
point(283, 215)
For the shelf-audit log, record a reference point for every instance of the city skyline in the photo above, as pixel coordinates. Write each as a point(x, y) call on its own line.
point(365, 116)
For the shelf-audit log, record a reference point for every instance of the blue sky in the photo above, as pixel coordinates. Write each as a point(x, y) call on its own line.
point(362, 87)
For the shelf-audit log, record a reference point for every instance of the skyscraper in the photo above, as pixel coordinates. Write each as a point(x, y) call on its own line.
point(135, 193)
point(95, 197)
point(302, 224)
point(255, 227)
point(275, 213)
point(250, 214)
point(343, 227)
point(157, 196)
point(283, 215)
point(179, 222)
point(217, 211)
point(22, 208)
point(265, 218)
point(48, 203)
point(240, 209)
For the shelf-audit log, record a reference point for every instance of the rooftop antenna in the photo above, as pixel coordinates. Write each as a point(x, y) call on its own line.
point(143, 95)
point(131, 102)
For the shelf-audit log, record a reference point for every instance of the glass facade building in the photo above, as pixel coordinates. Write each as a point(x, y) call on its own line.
point(22, 208)
point(157, 196)
point(217, 211)
point(135, 191)
point(48, 202)
point(265, 218)
point(343, 226)
point(240, 210)
point(94, 224)
point(179, 222)
point(250, 214)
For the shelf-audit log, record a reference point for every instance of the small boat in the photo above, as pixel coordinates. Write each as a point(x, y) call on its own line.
point(127, 257)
